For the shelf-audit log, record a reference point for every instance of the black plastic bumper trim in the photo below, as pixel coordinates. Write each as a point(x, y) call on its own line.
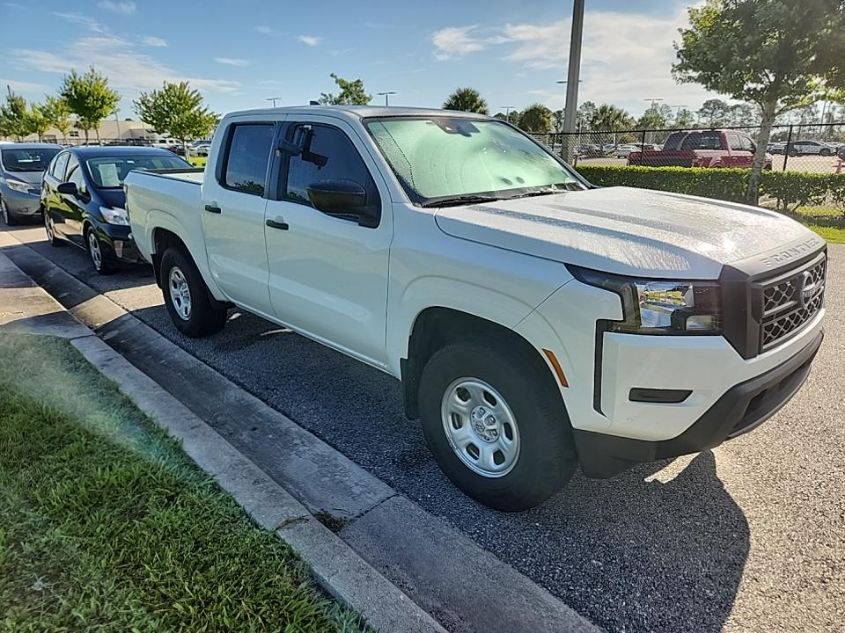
point(741, 409)
point(658, 396)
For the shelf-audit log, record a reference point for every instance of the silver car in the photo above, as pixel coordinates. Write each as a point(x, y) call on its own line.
point(21, 167)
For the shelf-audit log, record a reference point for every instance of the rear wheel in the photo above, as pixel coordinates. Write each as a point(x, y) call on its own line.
point(825, 152)
point(186, 297)
point(9, 218)
point(495, 424)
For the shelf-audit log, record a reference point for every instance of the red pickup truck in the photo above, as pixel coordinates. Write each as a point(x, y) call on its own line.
point(701, 148)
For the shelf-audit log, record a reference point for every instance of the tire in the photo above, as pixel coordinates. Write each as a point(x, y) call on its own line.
point(52, 238)
point(101, 256)
point(186, 297)
point(793, 152)
point(9, 218)
point(516, 389)
point(825, 152)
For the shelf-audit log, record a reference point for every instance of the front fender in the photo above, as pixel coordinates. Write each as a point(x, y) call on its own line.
point(442, 292)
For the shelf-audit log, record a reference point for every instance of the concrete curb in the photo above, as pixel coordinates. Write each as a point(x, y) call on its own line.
point(423, 550)
point(335, 565)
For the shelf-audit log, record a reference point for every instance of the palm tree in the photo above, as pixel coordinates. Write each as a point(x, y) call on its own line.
point(610, 118)
point(466, 100)
point(536, 118)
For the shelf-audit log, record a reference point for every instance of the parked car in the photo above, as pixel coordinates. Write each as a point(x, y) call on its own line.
point(177, 149)
point(840, 152)
point(776, 148)
point(535, 322)
point(84, 203)
point(199, 149)
point(21, 168)
point(589, 151)
point(804, 148)
point(701, 148)
point(623, 151)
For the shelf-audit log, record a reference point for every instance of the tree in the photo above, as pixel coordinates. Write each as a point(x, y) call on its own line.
point(557, 120)
point(714, 112)
point(536, 118)
point(176, 110)
point(37, 122)
point(743, 114)
point(89, 97)
point(466, 100)
point(351, 93)
point(684, 118)
point(584, 115)
point(655, 117)
point(14, 116)
point(57, 113)
point(778, 54)
point(610, 118)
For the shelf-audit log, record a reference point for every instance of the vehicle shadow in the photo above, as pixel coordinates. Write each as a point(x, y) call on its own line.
point(661, 547)
point(635, 553)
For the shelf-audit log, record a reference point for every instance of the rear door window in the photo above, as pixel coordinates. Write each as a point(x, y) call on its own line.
point(248, 157)
point(60, 166)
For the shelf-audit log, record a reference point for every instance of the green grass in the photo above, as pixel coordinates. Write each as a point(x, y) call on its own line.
point(198, 161)
point(106, 526)
point(829, 222)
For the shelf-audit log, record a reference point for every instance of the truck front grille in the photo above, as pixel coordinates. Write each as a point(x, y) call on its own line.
point(790, 301)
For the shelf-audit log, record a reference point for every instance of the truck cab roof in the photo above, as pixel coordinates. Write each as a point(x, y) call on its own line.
point(357, 111)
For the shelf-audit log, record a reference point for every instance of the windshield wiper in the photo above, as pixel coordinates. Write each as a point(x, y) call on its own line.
point(546, 191)
point(454, 201)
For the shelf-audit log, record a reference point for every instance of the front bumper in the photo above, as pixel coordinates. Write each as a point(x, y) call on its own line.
point(739, 410)
point(21, 203)
point(119, 239)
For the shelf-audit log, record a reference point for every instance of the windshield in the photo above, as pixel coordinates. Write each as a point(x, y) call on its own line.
point(442, 158)
point(108, 172)
point(28, 159)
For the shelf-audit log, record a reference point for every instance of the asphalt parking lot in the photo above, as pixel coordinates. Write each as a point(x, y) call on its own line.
point(749, 537)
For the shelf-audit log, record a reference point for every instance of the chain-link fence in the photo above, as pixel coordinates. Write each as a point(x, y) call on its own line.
point(818, 148)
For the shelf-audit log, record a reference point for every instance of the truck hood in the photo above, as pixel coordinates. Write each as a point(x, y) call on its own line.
point(628, 231)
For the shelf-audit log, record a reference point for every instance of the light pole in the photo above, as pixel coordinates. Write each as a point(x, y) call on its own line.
point(508, 112)
point(572, 76)
point(653, 100)
point(273, 99)
point(386, 96)
point(678, 111)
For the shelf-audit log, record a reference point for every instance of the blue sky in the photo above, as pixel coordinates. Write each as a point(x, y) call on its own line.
point(239, 53)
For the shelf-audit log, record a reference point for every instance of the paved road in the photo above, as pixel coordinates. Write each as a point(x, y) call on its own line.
point(749, 537)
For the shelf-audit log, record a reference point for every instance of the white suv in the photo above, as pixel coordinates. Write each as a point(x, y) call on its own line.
point(536, 322)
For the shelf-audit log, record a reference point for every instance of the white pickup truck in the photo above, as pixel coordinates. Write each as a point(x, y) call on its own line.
point(536, 322)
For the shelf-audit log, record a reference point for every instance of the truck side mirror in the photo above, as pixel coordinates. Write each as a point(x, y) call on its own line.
point(343, 197)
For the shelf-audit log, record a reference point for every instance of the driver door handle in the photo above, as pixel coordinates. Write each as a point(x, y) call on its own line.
point(213, 208)
point(277, 224)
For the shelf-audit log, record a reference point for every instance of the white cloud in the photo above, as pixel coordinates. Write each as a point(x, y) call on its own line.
point(126, 8)
point(310, 40)
point(232, 61)
point(82, 20)
point(455, 41)
point(127, 70)
point(621, 65)
point(23, 86)
point(266, 30)
point(152, 40)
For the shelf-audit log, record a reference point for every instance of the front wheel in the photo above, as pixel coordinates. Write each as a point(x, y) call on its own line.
point(9, 218)
point(52, 238)
point(825, 152)
point(102, 258)
point(186, 296)
point(496, 425)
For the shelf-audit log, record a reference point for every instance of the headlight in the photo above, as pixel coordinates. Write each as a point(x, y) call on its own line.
point(17, 185)
point(115, 215)
point(660, 306)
